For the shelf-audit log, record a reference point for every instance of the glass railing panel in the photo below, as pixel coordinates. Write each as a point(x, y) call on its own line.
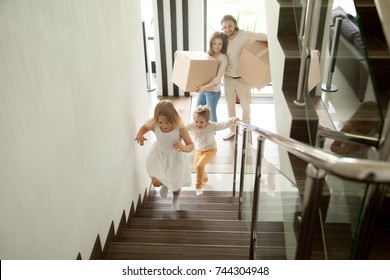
point(341, 217)
point(342, 214)
point(278, 206)
point(348, 90)
point(352, 95)
point(248, 179)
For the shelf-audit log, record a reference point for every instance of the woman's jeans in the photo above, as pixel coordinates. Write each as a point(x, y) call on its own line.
point(209, 98)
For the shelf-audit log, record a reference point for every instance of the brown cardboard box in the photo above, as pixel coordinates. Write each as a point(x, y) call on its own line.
point(192, 69)
point(253, 65)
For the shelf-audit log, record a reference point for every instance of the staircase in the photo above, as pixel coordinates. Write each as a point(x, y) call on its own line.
point(206, 228)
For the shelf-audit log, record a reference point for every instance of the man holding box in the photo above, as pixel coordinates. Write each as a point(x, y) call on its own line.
point(233, 84)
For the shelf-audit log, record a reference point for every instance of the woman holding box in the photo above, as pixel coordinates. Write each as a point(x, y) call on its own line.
point(210, 93)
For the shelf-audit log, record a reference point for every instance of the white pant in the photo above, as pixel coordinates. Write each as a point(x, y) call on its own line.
point(243, 90)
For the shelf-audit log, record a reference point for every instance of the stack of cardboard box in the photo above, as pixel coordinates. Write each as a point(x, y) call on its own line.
point(254, 65)
point(193, 69)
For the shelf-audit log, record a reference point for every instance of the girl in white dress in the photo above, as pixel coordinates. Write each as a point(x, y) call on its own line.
point(167, 162)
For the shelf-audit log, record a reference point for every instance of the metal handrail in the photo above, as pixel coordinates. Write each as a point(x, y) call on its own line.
point(350, 168)
point(348, 137)
point(319, 164)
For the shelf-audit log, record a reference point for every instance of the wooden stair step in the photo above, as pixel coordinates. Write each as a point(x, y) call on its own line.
point(264, 238)
point(207, 194)
point(192, 193)
point(271, 253)
point(186, 237)
point(195, 199)
point(192, 206)
point(210, 225)
point(183, 214)
point(148, 251)
point(264, 208)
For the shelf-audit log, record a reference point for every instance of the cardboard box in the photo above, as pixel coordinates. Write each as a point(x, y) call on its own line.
point(253, 65)
point(192, 69)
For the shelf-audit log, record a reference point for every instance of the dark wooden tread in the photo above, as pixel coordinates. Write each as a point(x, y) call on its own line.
point(185, 214)
point(150, 251)
point(189, 206)
point(211, 225)
point(208, 225)
point(191, 193)
point(194, 199)
point(238, 238)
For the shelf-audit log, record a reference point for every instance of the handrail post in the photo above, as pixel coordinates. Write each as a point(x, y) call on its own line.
point(328, 86)
point(320, 141)
point(366, 228)
point(256, 197)
point(235, 160)
point(242, 173)
point(305, 55)
point(311, 201)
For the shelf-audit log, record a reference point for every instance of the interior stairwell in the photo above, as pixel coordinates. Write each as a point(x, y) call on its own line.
point(206, 228)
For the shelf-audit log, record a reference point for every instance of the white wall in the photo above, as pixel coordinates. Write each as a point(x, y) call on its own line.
point(277, 61)
point(196, 23)
point(72, 96)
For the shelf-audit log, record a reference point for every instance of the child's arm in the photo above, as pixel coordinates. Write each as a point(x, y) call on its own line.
point(189, 145)
point(140, 135)
point(235, 119)
point(226, 124)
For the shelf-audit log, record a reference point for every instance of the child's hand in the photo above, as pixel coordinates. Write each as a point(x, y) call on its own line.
point(140, 139)
point(236, 119)
point(178, 146)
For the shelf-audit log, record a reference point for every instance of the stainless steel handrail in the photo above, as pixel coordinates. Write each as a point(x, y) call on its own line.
point(349, 137)
point(320, 163)
point(354, 169)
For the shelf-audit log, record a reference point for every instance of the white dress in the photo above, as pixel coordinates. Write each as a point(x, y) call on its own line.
point(170, 166)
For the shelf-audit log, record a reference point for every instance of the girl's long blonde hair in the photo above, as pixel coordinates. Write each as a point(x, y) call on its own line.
point(166, 109)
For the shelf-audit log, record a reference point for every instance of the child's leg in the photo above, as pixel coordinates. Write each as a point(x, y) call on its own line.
point(175, 201)
point(156, 182)
point(200, 162)
point(198, 155)
point(163, 189)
